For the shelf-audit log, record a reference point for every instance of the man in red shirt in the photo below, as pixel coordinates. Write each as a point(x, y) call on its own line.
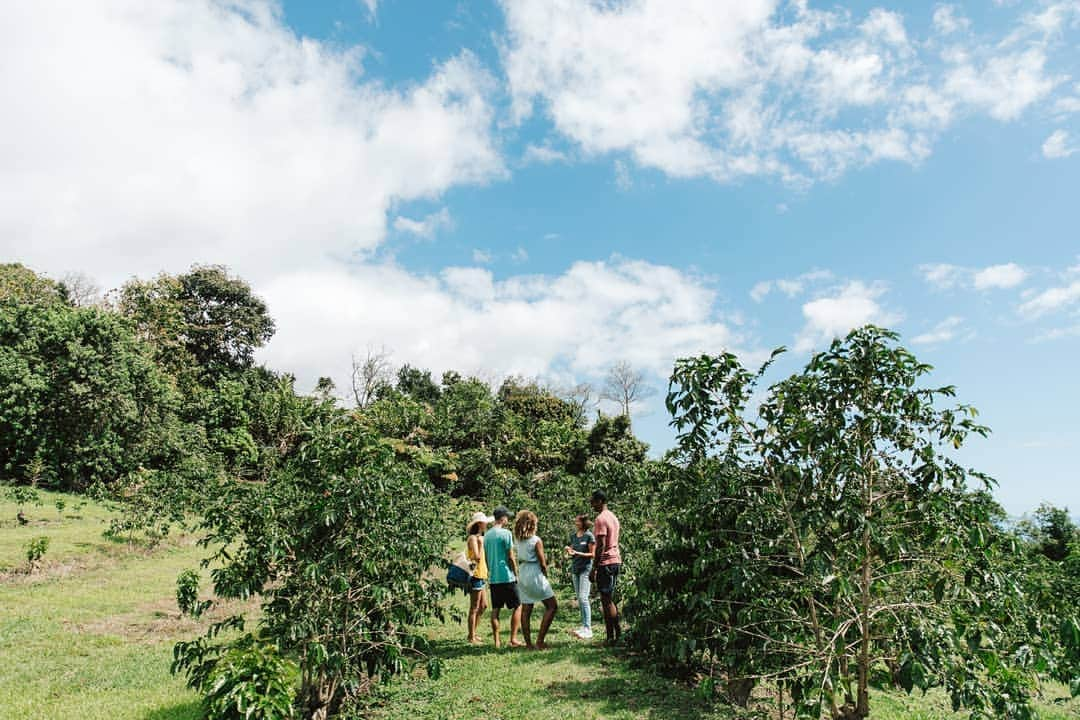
point(606, 563)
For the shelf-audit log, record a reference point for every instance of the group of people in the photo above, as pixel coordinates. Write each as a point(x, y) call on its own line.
point(513, 566)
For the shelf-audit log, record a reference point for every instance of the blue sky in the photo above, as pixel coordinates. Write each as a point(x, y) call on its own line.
point(545, 187)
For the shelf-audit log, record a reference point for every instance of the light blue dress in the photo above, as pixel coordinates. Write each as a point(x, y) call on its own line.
point(533, 586)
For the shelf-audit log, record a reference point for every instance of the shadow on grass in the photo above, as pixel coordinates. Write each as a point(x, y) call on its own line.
point(190, 710)
point(622, 683)
point(631, 692)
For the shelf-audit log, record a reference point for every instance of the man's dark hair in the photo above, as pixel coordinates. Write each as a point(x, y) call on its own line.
point(501, 512)
point(599, 496)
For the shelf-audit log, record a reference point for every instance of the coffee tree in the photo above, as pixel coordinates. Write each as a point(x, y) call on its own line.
point(827, 534)
point(338, 544)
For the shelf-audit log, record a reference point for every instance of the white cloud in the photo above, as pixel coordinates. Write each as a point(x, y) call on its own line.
point(481, 257)
point(851, 306)
point(1058, 333)
point(1070, 103)
point(999, 276)
point(465, 319)
point(426, 227)
point(520, 255)
point(944, 276)
point(789, 286)
point(1058, 146)
point(544, 155)
point(947, 20)
point(760, 87)
point(942, 332)
point(152, 135)
point(760, 290)
point(1004, 85)
point(1051, 300)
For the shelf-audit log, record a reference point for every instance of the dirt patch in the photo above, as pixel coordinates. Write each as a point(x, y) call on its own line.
point(160, 620)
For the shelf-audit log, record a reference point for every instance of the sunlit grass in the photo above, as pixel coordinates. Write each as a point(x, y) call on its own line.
point(89, 636)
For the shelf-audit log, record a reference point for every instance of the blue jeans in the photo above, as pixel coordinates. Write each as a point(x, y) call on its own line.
point(582, 586)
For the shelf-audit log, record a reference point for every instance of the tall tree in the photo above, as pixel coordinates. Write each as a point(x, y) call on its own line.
point(82, 290)
point(214, 317)
point(370, 374)
point(625, 385)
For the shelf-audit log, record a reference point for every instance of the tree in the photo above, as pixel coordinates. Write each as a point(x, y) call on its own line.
point(339, 545)
point(582, 396)
point(324, 388)
point(417, 384)
point(212, 316)
point(81, 395)
point(20, 284)
point(625, 385)
point(1054, 531)
point(828, 531)
point(370, 374)
point(81, 289)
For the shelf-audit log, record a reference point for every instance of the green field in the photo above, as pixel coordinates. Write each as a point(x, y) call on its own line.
point(89, 636)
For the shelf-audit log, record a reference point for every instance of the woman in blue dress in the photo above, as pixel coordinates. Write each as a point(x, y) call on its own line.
point(532, 583)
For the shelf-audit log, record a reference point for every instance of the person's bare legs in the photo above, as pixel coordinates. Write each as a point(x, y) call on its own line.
point(476, 607)
point(526, 624)
point(550, 606)
point(495, 626)
point(515, 626)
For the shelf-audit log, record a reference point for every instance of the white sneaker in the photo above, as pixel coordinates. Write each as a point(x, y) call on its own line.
point(584, 633)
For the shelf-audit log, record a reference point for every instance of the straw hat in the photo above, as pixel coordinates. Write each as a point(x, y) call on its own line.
point(478, 517)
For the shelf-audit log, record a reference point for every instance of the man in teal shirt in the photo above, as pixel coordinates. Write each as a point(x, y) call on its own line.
point(502, 578)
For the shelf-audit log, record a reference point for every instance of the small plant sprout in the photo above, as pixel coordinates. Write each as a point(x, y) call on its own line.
point(35, 550)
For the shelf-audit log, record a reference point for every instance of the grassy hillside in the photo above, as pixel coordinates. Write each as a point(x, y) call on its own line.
point(89, 636)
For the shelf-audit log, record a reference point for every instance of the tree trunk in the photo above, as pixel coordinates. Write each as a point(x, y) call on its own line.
point(739, 691)
point(318, 697)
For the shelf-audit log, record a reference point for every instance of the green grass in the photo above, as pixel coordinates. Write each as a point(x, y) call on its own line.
point(584, 681)
point(89, 636)
point(572, 679)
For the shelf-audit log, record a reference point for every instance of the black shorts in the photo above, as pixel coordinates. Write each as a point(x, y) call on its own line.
point(504, 595)
point(607, 577)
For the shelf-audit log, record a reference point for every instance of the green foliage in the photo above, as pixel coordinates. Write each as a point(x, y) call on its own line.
point(338, 544)
point(1051, 531)
point(826, 533)
point(205, 317)
point(21, 285)
point(36, 549)
point(22, 495)
point(417, 384)
point(251, 681)
point(79, 394)
point(187, 594)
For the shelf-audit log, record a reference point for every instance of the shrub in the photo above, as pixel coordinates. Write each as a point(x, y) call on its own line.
point(338, 544)
point(252, 681)
point(35, 550)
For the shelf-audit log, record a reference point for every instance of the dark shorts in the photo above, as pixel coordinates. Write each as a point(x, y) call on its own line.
point(476, 584)
point(504, 595)
point(607, 577)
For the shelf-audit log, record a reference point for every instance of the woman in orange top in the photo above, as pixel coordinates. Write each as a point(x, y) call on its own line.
point(474, 550)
